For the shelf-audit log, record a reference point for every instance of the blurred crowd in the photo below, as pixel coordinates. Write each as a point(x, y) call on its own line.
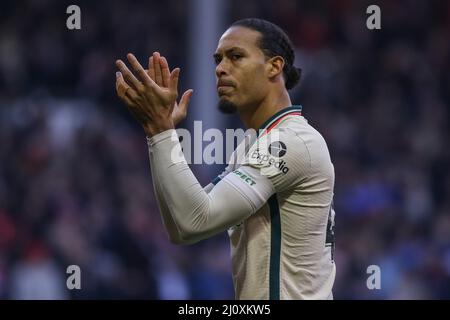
point(75, 184)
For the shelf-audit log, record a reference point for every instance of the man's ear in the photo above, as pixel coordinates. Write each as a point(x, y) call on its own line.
point(275, 66)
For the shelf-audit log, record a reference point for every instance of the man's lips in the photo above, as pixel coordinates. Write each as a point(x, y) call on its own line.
point(224, 83)
point(222, 89)
point(224, 86)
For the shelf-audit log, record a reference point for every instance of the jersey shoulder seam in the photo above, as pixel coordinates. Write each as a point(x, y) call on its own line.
point(303, 141)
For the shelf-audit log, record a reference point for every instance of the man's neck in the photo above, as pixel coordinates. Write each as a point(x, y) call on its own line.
point(255, 117)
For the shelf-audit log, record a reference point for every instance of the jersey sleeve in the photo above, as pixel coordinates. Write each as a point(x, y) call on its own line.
point(229, 168)
point(196, 213)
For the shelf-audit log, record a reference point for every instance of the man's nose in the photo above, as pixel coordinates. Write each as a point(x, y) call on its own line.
point(221, 69)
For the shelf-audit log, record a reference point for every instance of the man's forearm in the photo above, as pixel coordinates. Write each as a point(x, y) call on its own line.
point(196, 213)
point(169, 224)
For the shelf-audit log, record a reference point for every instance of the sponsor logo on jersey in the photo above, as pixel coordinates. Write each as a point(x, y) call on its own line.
point(266, 158)
point(277, 149)
point(244, 177)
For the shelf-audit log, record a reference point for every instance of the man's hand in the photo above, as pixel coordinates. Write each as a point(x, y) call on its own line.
point(152, 98)
point(158, 70)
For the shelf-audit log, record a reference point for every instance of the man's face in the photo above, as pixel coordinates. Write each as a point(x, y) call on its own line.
point(241, 69)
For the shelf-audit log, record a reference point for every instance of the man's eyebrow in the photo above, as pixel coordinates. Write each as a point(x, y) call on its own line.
point(218, 54)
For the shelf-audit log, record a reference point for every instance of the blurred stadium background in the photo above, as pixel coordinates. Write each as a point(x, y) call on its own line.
point(75, 184)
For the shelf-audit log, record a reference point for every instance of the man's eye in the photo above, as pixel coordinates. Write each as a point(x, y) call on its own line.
point(217, 60)
point(236, 57)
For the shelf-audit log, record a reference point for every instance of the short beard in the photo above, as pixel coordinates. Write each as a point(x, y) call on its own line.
point(227, 107)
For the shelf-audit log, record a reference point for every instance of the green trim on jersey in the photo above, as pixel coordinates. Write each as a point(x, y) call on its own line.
point(216, 180)
point(275, 248)
point(277, 115)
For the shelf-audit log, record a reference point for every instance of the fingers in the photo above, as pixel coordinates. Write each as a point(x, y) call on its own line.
point(158, 65)
point(184, 101)
point(128, 75)
point(143, 76)
point(151, 69)
point(124, 91)
point(165, 71)
point(157, 68)
point(128, 95)
point(159, 71)
point(128, 100)
point(121, 85)
point(173, 81)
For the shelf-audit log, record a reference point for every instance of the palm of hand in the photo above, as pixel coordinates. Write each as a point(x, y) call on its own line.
point(158, 70)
